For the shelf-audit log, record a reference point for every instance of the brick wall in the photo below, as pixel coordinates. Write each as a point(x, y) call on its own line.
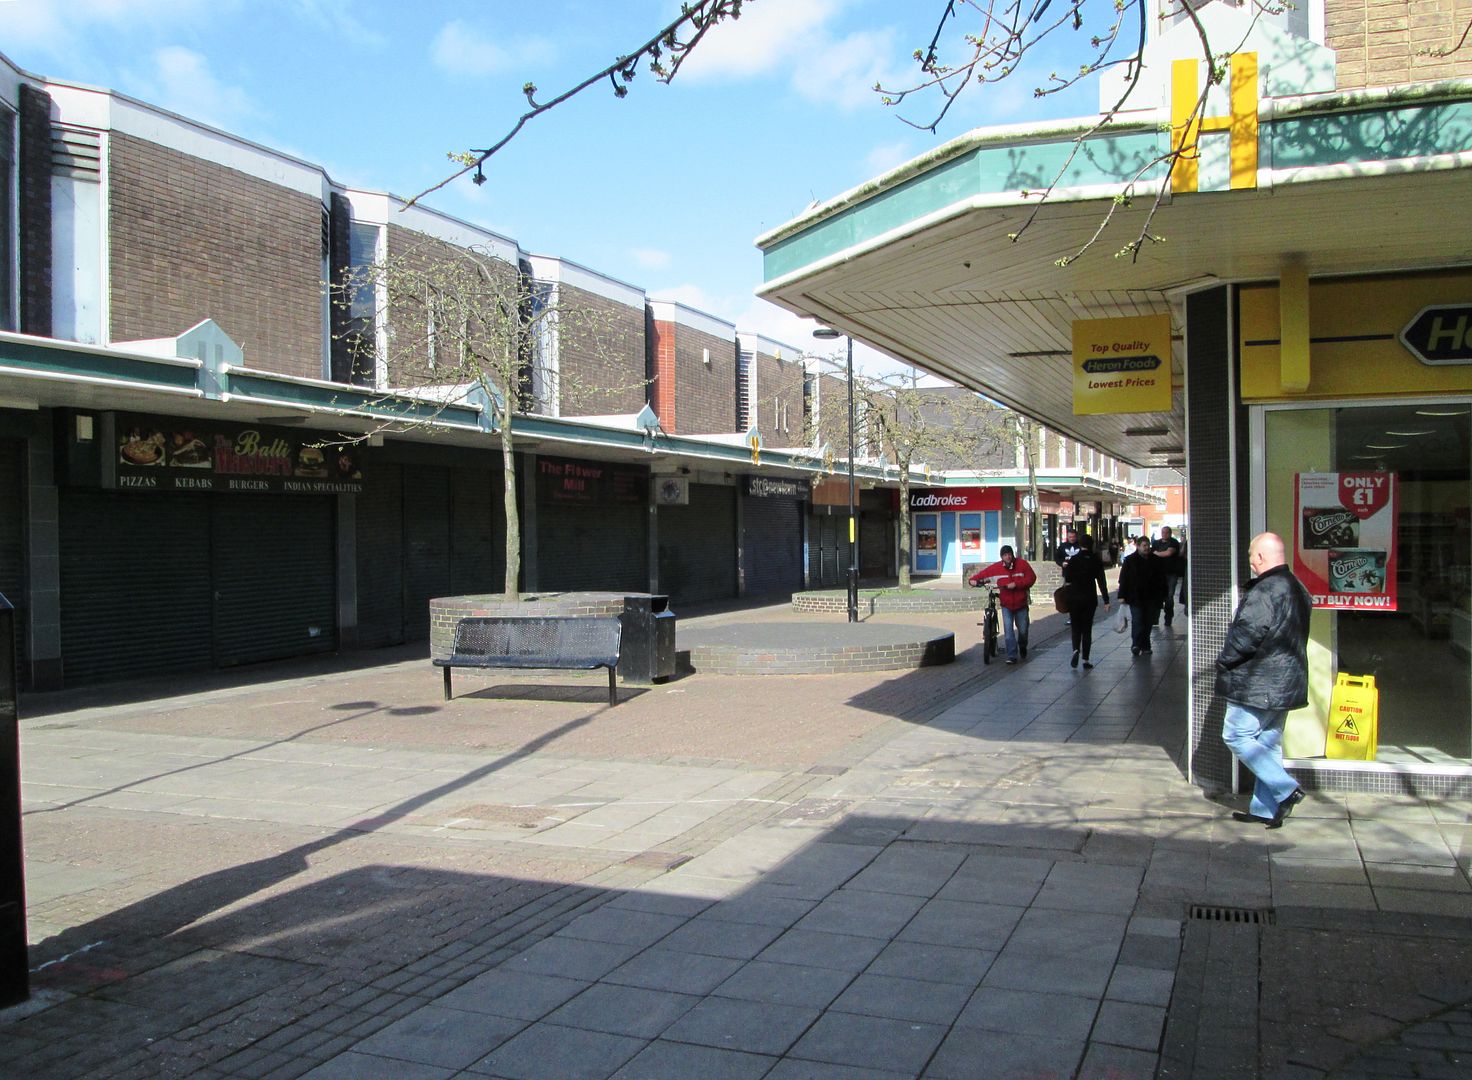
point(192, 240)
point(1381, 42)
point(705, 394)
point(832, 419)
point(779, 383)
point(601, 355)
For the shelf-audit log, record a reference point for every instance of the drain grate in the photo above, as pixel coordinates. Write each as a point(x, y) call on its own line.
point(1247, 916)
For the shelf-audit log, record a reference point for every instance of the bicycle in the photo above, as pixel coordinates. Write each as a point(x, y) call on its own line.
point(991, 627)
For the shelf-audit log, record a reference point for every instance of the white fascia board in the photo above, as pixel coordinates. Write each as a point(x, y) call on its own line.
point(672, 311)
point(550, 268)
point(107, 110)
point(760, 344)
point(381, 208)
point(11, 80)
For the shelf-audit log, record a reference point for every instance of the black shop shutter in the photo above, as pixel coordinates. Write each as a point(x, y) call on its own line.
point(697, 546)
point(593, 547)
point(772, 543)
point(426, 545)
point(13, 539)
point(477, 541)
point(380, 523)
point(275, 562)
point(135, 585)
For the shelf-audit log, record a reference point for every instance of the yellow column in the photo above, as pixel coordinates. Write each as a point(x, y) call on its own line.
point(1293, 311)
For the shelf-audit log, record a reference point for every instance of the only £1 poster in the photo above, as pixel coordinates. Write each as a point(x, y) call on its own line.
point(1344, 542)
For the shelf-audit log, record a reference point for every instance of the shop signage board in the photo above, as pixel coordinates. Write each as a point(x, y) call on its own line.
point(951, 499)
point(155, 453)
point(767, 487)
point(1344, 539)
point(1121, 365)
point(563, 480)
point(1440, 334)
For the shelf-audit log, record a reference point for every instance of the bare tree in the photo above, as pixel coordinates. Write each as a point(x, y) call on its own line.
point(447, 327)
point(910, 427)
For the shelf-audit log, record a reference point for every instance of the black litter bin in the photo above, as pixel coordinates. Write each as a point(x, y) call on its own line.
point(648, 651)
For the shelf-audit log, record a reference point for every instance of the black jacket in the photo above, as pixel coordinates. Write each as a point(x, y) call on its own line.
point(1142, 580)
point(1081, 573)
point(1265, 660)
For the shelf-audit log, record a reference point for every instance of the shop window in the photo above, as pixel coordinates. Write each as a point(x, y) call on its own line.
point(363, 330)
point(1418, 568)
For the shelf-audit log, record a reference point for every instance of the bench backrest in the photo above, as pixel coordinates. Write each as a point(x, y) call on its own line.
point(559, 638)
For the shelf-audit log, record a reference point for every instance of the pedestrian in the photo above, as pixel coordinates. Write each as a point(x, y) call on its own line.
point(1262, 673)
point(1142, 587)
point(1067, 549)
point(1014, 578)
point(1168, 550)
point(1083, 574)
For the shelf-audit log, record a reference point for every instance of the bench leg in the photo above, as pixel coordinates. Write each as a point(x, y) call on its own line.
point(447, 684)
point(612, 689)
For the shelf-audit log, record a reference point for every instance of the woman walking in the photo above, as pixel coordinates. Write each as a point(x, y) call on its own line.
point(1082, 574)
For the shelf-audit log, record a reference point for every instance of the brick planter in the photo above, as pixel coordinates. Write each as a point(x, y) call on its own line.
point(877, 603)
point(445, 611)
point(814, 649)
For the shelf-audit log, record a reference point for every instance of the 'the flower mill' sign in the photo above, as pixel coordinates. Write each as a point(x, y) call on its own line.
point(768, 487)
point(565, 480)
point(1121, 365)
point(181, 454)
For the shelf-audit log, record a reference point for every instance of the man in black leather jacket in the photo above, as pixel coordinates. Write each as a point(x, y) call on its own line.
point(1262, 673)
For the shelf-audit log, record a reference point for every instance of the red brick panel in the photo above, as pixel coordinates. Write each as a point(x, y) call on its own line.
point(662, 353)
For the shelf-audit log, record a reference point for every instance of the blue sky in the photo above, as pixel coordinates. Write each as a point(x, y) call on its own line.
point(665, 189)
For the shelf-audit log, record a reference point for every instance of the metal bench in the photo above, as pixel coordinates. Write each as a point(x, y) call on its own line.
point(544, 641)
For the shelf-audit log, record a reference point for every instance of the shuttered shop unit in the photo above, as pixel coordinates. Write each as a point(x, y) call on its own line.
point(154, 584)
point(477, 539)
point(601, 547)
point(697, 546)
point(275, 566)
point(380, 557)
point(136, 596)
point(772, 545)
point(426, 544)
point(823, 550)
point(13, 538)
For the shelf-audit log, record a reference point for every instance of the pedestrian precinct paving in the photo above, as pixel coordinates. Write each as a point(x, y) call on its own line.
point(959, 873)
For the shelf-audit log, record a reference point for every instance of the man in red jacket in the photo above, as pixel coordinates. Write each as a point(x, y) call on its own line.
point(1014, 577)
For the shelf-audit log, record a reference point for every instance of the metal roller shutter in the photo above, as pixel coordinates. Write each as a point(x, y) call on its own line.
point(380, 558)
point(426, 545)
point(275, 565)
point(697, 546)
point(600, 547)
point(772, 545)
point(477, 540)
point(135, 585)
point(13, 539)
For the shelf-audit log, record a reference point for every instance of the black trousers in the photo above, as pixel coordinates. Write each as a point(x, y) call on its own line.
point(1081, 625)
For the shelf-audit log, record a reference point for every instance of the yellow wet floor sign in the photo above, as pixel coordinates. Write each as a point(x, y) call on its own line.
point(1353, 719)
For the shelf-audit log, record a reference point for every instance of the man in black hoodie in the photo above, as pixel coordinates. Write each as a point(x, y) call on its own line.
point(1262, 673)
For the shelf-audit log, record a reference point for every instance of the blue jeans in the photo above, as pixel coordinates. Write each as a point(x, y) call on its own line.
point(1172, 582)
point(1014, 629)
point(1256, 737)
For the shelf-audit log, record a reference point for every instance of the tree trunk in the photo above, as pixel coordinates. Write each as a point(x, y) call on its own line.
point(905, 528)
point(512, 587)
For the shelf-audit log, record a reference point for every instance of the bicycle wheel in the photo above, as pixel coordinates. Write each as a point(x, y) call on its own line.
point(989, 638)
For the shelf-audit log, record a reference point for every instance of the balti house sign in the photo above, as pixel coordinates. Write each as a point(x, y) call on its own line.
point(182, 454)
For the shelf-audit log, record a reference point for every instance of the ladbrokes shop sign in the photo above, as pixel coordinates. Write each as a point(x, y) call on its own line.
point(181, 454)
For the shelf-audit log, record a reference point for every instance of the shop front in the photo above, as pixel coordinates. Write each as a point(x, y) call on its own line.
point(591, 526)
point(1369, 481)
point(954, 526)
point(772, 511)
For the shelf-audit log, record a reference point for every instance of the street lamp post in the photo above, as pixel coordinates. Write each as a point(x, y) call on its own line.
point(827, 333)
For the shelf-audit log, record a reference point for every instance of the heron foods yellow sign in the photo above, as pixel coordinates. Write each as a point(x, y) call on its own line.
point(1121, 365)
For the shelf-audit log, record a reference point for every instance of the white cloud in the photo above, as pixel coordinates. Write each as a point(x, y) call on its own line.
point(650, 258)
point(843, 72)
point(182, 81)
point(764, 38)
point(463, 50)
point(53, 26)
point(692, 296)
point(333, 16)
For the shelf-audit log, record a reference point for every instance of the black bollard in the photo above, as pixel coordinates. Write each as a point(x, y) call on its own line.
point(14, 978)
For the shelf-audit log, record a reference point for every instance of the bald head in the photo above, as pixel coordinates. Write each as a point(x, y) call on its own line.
point(1265, 552)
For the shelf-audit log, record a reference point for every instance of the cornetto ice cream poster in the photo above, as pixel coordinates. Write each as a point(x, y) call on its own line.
point(1344, 544)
